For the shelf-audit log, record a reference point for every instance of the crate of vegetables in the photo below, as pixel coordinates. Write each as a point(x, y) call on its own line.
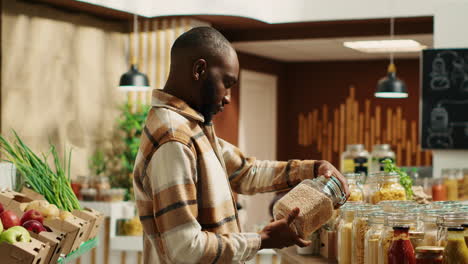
point(94, 218)
point(66, 230)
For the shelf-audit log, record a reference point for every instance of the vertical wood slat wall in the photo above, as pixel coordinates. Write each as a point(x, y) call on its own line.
point(154, 41)
point(361, 124)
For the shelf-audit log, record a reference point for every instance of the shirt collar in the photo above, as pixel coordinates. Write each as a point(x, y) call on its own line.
point(165, 100)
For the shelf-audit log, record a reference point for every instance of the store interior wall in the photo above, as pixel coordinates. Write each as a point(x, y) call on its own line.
point(60, 72)
point(311, 85)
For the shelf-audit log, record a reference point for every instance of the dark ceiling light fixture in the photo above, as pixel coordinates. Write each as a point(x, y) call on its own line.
point(134, 80)
point(390, 86)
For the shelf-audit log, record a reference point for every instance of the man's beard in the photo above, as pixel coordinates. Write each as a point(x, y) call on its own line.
point(208, 93)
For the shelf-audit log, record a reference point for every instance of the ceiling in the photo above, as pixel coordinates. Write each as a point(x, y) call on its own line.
point(322, 49)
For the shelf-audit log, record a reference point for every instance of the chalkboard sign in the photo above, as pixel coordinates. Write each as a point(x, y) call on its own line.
point(444, 110)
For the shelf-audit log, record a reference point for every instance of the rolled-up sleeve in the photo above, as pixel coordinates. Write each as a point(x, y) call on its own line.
point(172, 174)
point(248, 175)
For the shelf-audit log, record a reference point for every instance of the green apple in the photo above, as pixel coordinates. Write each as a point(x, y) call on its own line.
point(15, 234)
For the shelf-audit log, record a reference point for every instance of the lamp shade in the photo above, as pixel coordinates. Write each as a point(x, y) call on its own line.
point(133, 80)
point(390, 86)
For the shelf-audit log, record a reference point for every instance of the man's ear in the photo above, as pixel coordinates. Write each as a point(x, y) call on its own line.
point(199, 69)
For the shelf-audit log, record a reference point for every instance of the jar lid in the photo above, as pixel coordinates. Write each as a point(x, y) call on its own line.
point(456, 228)
point(401, 227)
point(416, 234)
point(429, 249)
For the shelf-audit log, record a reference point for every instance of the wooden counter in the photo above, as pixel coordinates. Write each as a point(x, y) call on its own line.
point(290, 256)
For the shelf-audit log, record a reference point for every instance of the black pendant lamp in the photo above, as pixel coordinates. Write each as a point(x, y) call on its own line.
point(390, 86)
point(134, 80)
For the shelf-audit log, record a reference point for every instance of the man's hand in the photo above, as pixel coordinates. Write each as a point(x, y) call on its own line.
point(323, 167)
point(279, 234)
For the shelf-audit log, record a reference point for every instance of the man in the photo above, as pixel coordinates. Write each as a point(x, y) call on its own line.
point(184, 175)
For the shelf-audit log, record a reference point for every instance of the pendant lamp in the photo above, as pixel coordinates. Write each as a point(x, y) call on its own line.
point(390, 86)
point(134, 80)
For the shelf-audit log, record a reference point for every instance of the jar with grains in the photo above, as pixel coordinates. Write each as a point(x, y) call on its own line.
point(316, 199)
point(389, 188)
point(391, 220)
point(372, 238)
point(344, 235)
point(380, 153)
point(429, 255)
point(401, 250)
point(465, 184)
point(431, 229)
point(449, 220)
point(354, 183)
point(359, 230)
point(355, 159)
point(456, 251)
point(371, 186)
point(465, 233)
point(450, 177)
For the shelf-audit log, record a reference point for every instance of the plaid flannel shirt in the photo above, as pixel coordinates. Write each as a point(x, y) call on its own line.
point(184, 179)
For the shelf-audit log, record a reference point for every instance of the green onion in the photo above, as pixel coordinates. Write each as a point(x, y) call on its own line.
point(55, 184)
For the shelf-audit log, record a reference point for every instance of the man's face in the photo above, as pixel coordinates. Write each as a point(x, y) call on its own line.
point(216, 87)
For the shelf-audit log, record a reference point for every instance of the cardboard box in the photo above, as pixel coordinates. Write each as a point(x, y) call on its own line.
point(328, 241)
point(34, 252)
point(55, 240)
point(12, 201)
point(74, 230)
point(94, 218)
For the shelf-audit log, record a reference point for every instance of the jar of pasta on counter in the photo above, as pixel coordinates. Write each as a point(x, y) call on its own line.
point(372, 237)
point(345, 235)
point(389, 188)
point(354, 183)
point(359, 230)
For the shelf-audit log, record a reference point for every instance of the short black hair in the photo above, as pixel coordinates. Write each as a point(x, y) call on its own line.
point(200, 41)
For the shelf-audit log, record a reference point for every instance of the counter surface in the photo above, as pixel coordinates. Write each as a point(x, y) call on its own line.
point(290, 256)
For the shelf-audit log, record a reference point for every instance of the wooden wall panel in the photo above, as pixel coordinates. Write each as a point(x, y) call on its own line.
point(353, 116)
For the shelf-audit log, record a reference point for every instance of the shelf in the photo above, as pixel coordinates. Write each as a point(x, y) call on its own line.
point(127, 243)
point(83, 249)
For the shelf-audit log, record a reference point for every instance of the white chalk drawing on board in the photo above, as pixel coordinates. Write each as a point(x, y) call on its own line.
point(440, 130)
point(442, 79)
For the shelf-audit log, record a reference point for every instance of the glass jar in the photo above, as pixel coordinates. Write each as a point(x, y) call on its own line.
point(345, 235)
point(372, 238)
point(455, 251)
point(465, 184)
point(450, 177)
point(359, 230)
point(439, 190)
point(371, 186)
point(102, 185)
point(389, 188)
point(316, 199)
point(431, 228)
point(354, 183)
point(446, 221)
point(391, 220)
point(429, 255)
point(355, 159)
point(380, 153)
point(401, 250)
point(443, 204)
point(465, 233)
point(88, 194)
